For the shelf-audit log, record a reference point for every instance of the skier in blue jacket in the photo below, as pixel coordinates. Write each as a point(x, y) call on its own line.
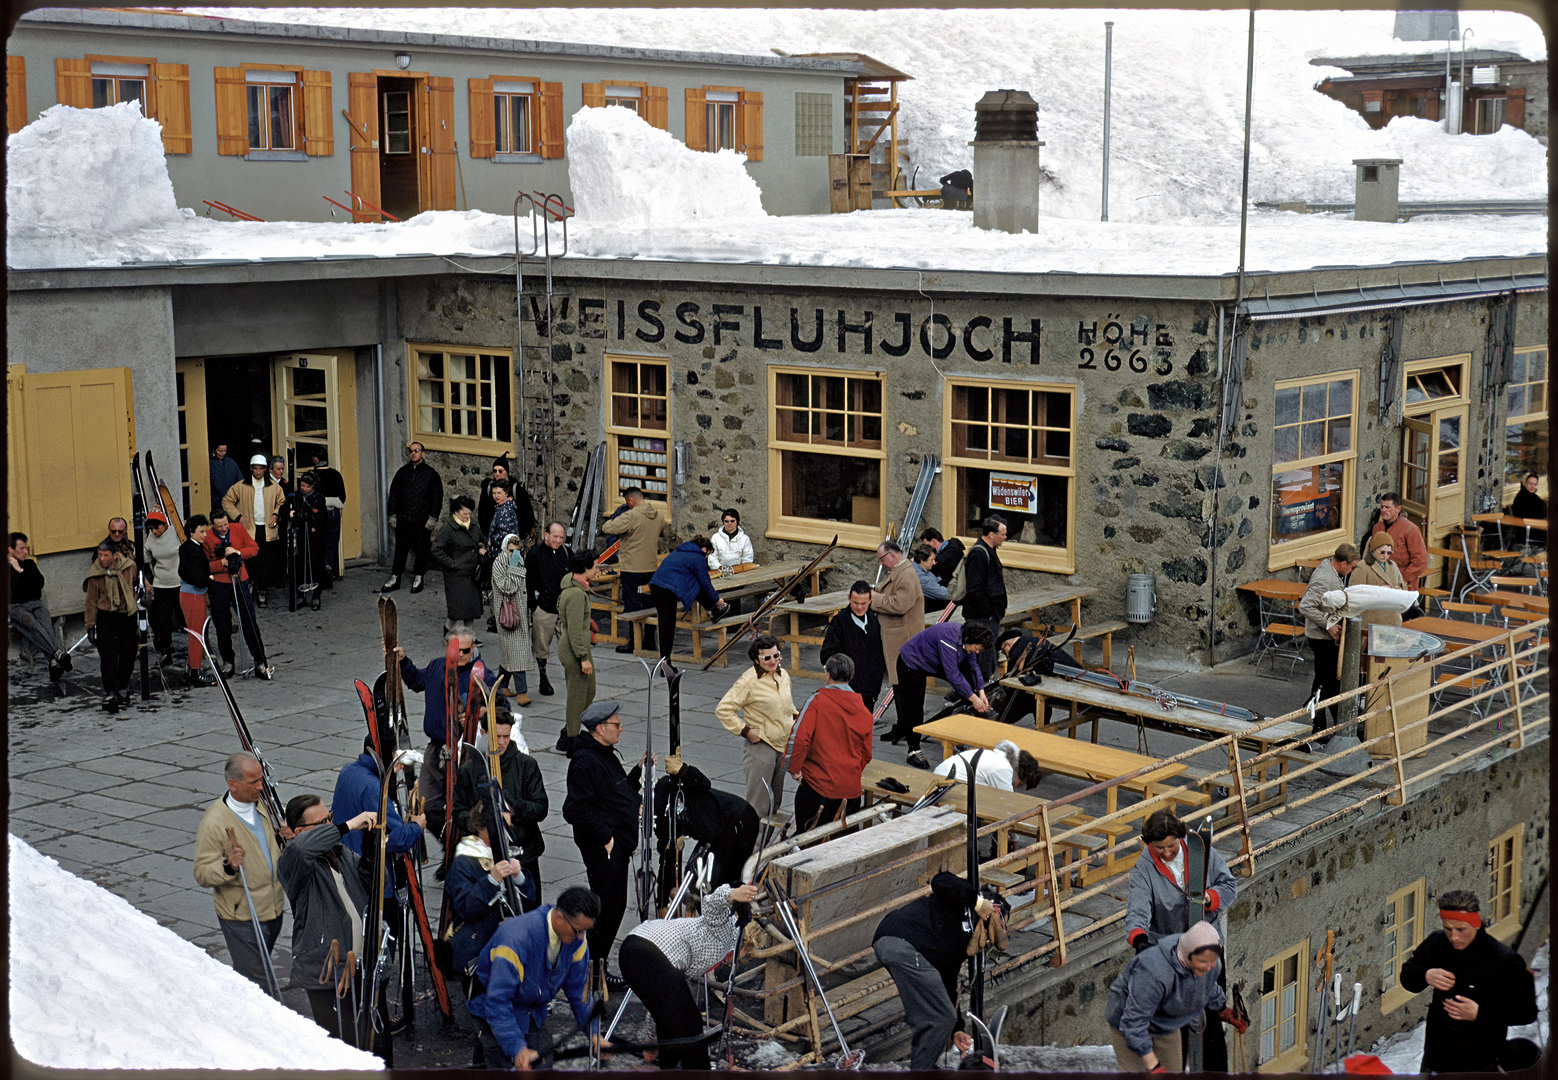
point(521, 969)
point(356, 790)
point(429, 682)
point(684, 576)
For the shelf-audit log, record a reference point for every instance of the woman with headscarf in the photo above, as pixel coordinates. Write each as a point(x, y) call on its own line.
point(1164, 988)
point(457, 551)
point(510, 585)
point(524, 512)
point(1377, 569)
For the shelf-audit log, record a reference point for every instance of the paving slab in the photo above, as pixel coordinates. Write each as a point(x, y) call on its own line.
point(145, 835)
point(127, 767)
point(156, 796)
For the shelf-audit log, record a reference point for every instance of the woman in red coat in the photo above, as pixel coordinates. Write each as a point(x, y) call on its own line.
point(832, 748)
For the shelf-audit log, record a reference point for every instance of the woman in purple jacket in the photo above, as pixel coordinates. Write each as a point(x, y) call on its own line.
point(947, 651)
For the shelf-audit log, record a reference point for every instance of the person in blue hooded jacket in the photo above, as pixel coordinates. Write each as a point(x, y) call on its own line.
point(1171, 985)
point(356, 790)
point(520, 970)
point(684, 577)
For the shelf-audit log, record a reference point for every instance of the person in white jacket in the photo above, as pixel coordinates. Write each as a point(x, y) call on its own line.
point(997, 768)
point(732, 547)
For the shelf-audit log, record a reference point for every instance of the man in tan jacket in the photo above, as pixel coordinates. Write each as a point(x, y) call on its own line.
point(255, 503)
point(238, 833)
point(899, 603)
point(639, 524)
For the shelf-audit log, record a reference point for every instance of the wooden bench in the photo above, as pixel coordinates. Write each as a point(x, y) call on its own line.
point(1103, 632)
point(636, 621)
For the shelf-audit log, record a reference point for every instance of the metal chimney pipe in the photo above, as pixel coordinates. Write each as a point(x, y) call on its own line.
point(1108, 88)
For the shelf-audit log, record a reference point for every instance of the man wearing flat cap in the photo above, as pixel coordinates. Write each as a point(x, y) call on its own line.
point(602, 806)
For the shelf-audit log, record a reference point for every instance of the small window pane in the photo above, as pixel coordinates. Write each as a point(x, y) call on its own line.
point(1312, 442)
point(1515, 400)
point(1287, 444)
point(281, 117)
point(1341, 397)
point(1287, 405)
point(256, 96)
point(1314, 402)
point(1341, 435)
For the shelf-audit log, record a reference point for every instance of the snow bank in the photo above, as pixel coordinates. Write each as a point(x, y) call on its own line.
point(96, 984)
point(78, 178)
point(623, 171)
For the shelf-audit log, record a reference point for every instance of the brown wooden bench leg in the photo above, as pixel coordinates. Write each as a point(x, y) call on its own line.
point(1109, 650)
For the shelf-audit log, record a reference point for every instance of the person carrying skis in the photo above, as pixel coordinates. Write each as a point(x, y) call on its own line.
point(520, 970)
point(948, 651)
point(524, 800)
point(475, 887)
point(922, 945)
point(831, 748)
point(1164, 988)
point(324, 885)
point(760, 709)
point(1480, 985)
point(1158, 905)
point(726, 822)
point(429, 682)
point(660, 955)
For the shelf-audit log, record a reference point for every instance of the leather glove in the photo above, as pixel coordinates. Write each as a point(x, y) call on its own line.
point(92, 634)
point(1239, 1025)
point(720, 611)
point(1141, 943)
point(673, 764)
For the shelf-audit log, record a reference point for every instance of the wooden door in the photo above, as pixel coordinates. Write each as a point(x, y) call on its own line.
point(363, 114)
point(195, 494)
point(315, 402)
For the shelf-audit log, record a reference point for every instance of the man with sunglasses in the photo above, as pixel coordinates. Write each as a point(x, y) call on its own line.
point(119, 537)
point(520, 970)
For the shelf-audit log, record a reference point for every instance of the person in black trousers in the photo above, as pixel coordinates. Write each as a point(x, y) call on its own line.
point(416, 499)
point(984, 602)
point(1324, 640)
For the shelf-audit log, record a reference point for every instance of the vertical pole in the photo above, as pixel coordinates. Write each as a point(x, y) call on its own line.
point(1352, 658)
point(381, 452)
point(1108, 91)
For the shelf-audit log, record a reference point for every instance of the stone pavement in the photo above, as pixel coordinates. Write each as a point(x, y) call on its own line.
point(117, 800)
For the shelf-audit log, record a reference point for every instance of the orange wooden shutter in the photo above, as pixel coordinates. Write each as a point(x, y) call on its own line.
point(697, 120)
point(551, 109)
point(318, 124)
point(171, 107)
point(594, 95)
point(440, 142)
point(752, 125)
point(15, 93)
point(1515, 107)
point(73, 83)
point(483, 133)
point(362, 92)
point(232, 111)
point(657, 108)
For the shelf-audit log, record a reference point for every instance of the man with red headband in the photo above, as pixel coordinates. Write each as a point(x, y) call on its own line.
point(1480, 985)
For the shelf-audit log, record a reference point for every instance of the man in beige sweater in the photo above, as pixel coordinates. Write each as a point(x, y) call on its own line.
point(639, 523)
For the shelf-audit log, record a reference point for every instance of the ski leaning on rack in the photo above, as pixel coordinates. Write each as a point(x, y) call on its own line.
point(848, 1060)
point(773, 600)
point(671, 858)
point(976, 963)
point(1198, 857)
point(645, 881)
point(245, 739)
point(930, 464)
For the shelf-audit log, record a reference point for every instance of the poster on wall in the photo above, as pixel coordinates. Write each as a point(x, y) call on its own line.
point(1010, 491)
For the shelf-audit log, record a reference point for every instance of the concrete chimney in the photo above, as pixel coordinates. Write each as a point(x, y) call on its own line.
point(1377, 189)
point(1006, 162)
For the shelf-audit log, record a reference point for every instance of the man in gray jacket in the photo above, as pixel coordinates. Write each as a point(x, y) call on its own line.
point(1324, 640)
point(329, 902)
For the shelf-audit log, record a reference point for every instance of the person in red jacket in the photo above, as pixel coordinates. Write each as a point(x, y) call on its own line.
point(1410, 553)
point(228, 544)
point(832, 748)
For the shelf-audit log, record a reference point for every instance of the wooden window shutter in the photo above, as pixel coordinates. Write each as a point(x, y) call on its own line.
point(697, 137)
point(483, 133)
point(752, 123)
point(440, 142)
point(551, 110)
point(362, 92)
point(318, 124)
point(15, 93)
point(232, 111)
point(657, 108)
point(594, 95)
point(1515, 107)
point(73, 83)
point(171, 105)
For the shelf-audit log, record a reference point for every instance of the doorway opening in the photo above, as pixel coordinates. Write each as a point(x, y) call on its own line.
point(399, 145)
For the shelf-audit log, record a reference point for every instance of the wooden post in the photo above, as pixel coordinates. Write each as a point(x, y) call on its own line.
point(1395, 743)
point(1236, 776)
point(1054, 884)
point(838, 184)
point(1514, 688)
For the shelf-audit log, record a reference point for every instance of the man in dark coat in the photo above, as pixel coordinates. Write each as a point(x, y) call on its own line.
point(984, 602)
point(524, 799)
point(726, 822)
point(602, 806)
point(857, 633)
point(546, 565)
point(948, 554)
point(1480, 985)
point(416, 499)
point(332, 489)
point(317, 871)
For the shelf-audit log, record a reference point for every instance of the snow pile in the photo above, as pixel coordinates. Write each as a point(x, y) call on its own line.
point(625, 172)
point(76, 179)
point(1177, 120)
point(96, 984)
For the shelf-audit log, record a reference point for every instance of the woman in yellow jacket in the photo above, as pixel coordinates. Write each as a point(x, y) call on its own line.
point(760, 709)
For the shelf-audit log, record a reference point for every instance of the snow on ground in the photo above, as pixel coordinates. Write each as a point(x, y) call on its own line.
point(1177, 118)
point(96, 984)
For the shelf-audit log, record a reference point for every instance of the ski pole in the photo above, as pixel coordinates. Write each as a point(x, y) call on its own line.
point(1337, 997)
point(259, 937)
point(1352, 1026)
point(351, 978)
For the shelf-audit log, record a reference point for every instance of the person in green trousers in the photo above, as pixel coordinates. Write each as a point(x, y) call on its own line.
point(573, 638)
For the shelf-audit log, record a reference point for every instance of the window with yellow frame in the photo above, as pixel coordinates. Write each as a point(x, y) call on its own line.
point(462, 399)
point(826, 455)
point(1503, 915)
point(1313, 466)
point(638, 424)
point(1284, 1009)
point(1526, 422)
point(1403, 933)
point(1010, 451)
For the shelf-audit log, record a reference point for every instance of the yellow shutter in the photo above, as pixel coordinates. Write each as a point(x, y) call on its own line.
point(15, 93)
point(79, 434)
point(483, 133)
point(657, 109)
point(318, 124)
point(440, 142)
point(697, 120)
point(752, 123)
point(363, 96)
point(73, 84)
point(551, 109)
point(171, 105)
point(232, 111)
point(594, 95)
point(17, 469)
